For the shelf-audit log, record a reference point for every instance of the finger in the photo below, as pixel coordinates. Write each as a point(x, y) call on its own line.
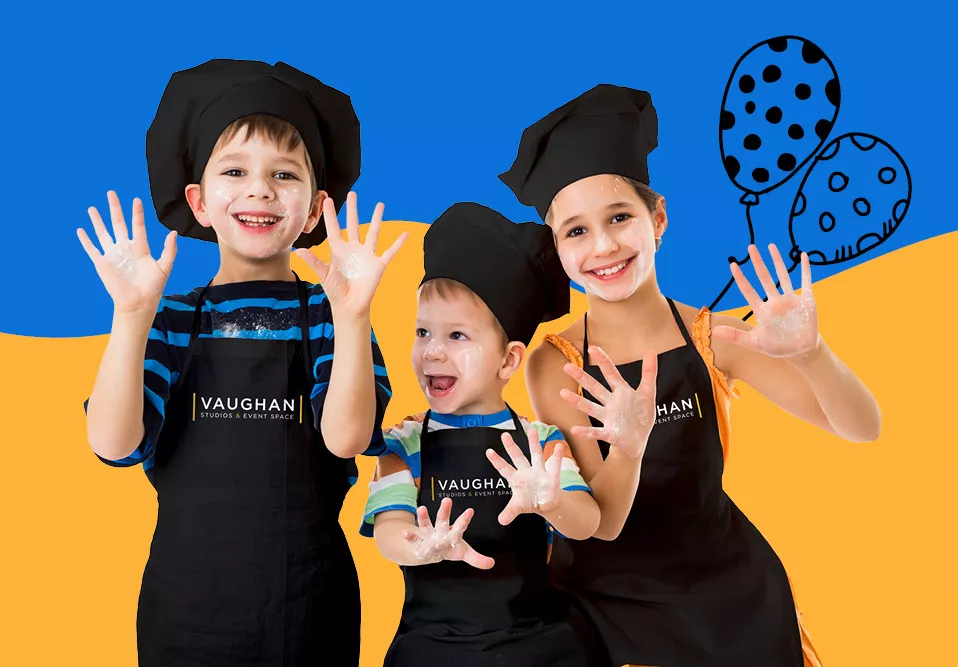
point(422, 518)
point(319, 266)
point(103, 236)
point(735, 336)
point(806, 273)
point(583, 404)
point(333, 232)
point(511, 511)
point(394, 248)
point(87, 244)
point(116, 216)
point(411, 536)
point(519, 459)
point(500, 464)
point(442, 515)
point(745, 287)
point(535, 448)
point(587, 382)
point(589, 432)
point(650, 372)
point(609, 371)
point(372, 235)
point(472, 557)
point(460, 525)
point(554, 468)
point(783, 278)
point(761, 271)
point(352, 218)
point(165, 262)
point(139, 226)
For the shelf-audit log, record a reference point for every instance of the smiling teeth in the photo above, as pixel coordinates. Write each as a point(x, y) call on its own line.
point(258, 219)
point(612, 270)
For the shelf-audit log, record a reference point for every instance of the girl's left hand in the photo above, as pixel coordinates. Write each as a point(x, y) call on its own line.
point(535, 485)
point(354, 270)
point(786, 325)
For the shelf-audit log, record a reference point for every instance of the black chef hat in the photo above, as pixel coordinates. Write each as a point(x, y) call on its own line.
point(513, 268)
point(607, 130)
point(199, 103)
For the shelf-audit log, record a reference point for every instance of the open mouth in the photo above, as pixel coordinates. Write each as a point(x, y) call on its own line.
point(613, 271)
point(257, 221)
point(440, 385)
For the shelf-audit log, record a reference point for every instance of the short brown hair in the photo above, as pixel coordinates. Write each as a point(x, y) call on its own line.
point(648, 196)
point(447, 288)
point(274, 129)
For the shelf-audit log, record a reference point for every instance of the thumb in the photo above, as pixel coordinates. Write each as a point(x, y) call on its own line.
point(735, 336)
point(165, 262)
point(319, 266)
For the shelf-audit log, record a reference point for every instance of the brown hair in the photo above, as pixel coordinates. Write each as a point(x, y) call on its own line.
point(449, 289)
point(274, 129)
point(648, 196)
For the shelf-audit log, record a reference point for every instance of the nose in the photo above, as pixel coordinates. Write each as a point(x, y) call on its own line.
point(435, 351)
point(605, 244)
point(260, 187)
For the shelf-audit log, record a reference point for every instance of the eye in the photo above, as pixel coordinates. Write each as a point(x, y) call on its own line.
point(235, 173)
point(421, 333)
point(458, 335)
point(620, 217)
point(287, 176)
point(575, 231)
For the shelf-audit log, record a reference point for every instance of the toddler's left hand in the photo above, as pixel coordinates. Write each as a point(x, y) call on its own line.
point(535, 484)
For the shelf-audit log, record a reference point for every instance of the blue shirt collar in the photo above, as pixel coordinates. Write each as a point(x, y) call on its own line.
point(469, 421)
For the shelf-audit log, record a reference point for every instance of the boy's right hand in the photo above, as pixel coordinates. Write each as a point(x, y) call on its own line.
point(134, 280)
point(431, 544)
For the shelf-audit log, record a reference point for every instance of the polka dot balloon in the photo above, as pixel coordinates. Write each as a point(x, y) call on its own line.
point(853, 197)
point(779, 106)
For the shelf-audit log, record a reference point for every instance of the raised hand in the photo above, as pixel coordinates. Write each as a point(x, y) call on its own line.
point(354, 270)
point(627, 415)
point(431, 544)
point(535, 485)
point(134, 280)
point(786, 325)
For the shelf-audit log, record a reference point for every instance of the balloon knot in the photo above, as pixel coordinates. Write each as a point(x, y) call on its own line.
point(749, 199)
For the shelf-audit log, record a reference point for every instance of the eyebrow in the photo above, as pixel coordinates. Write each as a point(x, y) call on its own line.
point(611, 207)
point(239, 156)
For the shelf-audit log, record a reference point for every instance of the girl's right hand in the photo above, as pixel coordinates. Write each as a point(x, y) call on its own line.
point(134, 280)
point(431, 544)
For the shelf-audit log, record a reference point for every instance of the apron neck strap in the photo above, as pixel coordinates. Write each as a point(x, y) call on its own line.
point(675, 314)
point(512, 413)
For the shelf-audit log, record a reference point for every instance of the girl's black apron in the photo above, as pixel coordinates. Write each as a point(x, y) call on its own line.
point(248, 564)
point(460, 616)
point(690, 582)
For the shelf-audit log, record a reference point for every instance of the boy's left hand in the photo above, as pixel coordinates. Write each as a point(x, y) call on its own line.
point(354, 270)
point(786, 325)
point(535, 485)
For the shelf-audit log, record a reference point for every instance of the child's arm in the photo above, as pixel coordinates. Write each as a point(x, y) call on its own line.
point(553, 489)
point(135, 281)
point(348, 419)
point(627, 416)
point(785, 358)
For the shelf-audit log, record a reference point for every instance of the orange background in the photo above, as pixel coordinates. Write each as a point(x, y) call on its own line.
point(865, 530)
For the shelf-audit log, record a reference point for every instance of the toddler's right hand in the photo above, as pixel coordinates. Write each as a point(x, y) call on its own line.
point(134, 280)
point(431, 544)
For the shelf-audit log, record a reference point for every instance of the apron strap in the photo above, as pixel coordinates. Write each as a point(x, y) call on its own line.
point(679, 322)
point(675, 314)
point(585, 340)
point(304, 328)
point(194, 334)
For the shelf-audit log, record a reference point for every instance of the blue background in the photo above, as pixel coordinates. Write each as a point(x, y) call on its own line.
point(443, 92)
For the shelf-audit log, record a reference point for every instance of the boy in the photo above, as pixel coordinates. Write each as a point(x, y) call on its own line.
point(248, 565)
point(488, 284)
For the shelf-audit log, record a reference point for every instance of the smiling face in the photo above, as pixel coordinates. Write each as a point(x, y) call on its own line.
point(257, 194)
point(606, 235)
point(461, 356)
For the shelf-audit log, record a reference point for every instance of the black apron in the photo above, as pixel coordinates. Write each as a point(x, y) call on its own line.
point(690, 582)
point(248, 564)
point(457, 615)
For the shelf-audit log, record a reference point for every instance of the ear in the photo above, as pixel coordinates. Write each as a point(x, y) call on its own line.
point(659, 218)
point(316, 212)
point(194, 197)
point(515, 353)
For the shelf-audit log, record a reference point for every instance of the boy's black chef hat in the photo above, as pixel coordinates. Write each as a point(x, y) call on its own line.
point(607, 130)
point(199, 103)
point(512, 267)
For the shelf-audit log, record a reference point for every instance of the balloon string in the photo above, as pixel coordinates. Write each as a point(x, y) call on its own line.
point(751, 240)
point(778, 284)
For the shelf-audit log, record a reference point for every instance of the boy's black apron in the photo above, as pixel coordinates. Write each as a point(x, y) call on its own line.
point(458, 616)
point(689, 582)
point(248, 564)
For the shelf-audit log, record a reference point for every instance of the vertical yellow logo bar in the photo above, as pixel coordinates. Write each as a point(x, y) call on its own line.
point(698, 405)
point(194, 406)
point(432, 483)
point(300, 408)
